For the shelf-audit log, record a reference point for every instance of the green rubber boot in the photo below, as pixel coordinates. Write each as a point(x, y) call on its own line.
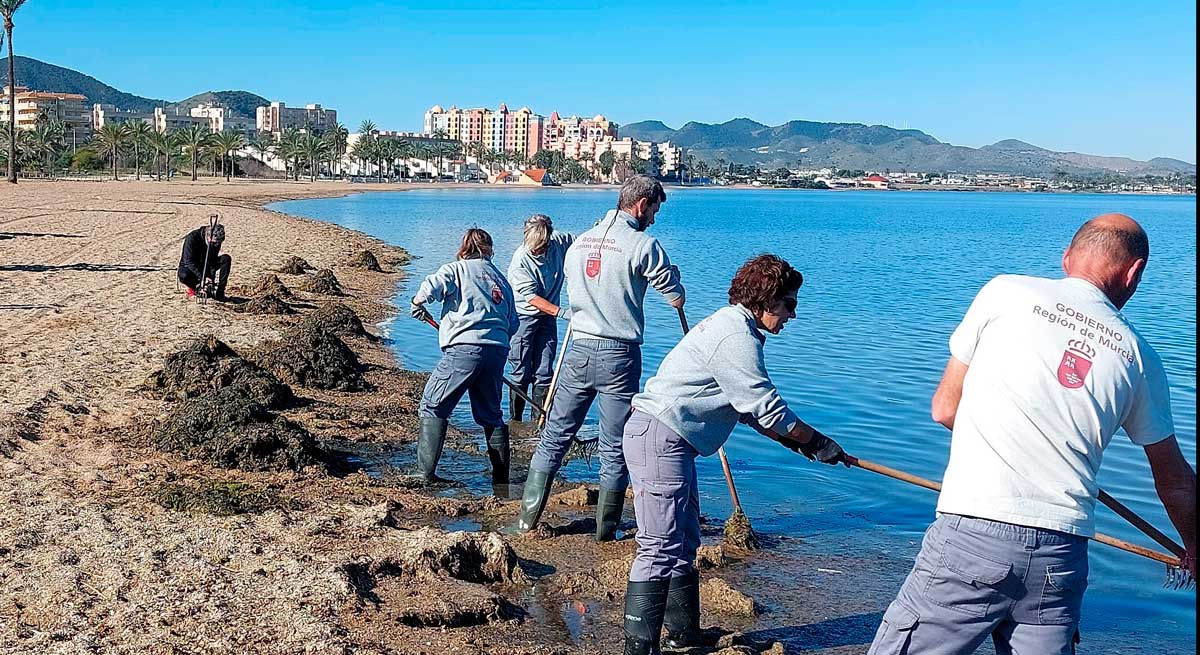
point(498, 452)
point(429, 447)
point(609, 505)
point(533, 501)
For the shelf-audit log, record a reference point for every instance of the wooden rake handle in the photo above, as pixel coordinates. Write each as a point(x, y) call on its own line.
point(1100, 537)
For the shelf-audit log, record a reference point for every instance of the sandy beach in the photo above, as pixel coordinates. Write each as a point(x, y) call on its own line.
point(111, 542)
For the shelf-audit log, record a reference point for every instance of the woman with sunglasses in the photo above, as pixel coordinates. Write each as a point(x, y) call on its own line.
point(714, 378)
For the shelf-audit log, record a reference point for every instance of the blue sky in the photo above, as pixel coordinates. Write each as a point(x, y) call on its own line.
point(1098, 77)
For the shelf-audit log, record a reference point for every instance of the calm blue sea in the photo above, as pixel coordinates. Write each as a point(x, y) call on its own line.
point(887, 277)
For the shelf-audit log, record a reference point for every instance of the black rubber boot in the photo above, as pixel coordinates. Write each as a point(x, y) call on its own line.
point(682, 616)
point(533, 501)
point(609, 505)
point(498, 453)
point(539, 399)
point(429, 447)
point(516, 404)
point(644, 606)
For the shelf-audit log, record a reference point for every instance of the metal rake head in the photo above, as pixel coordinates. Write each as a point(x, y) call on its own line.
point(585, 449)
point(1179, 578)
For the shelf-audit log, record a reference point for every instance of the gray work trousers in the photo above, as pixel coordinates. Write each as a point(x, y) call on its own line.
point(975, 577)
point(666, 499)
point(532, 349)
point(609, 369)
point(476, 370)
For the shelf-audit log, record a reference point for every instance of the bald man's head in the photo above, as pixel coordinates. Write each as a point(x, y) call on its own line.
point(1110, 251)
point(1116, 238)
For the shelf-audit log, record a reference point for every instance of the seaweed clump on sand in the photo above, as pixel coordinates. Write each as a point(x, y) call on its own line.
point(323, 282)
point(207, 365)
point(367, 260)
point(267, 303)
point(270, 284)
point(337, 318)
point(313, 357)
point(739, 534)
point(228, 429)
point(294, 266)
point(220, 498)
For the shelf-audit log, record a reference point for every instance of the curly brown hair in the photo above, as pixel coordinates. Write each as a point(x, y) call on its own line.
point(763, 280)
point(476, 244)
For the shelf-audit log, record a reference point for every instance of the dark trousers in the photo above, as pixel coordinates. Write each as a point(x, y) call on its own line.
point(218, 271)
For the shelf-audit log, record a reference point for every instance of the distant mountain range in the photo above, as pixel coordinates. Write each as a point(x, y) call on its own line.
point(804, 144)
point(808, 144)
point(48, 77)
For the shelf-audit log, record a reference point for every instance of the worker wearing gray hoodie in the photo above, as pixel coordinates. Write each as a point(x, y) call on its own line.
point(714, 378)
point(479, 318)
point(608, 270)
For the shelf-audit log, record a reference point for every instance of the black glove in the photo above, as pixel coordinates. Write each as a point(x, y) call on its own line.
point(420, 313)
point(823, 449)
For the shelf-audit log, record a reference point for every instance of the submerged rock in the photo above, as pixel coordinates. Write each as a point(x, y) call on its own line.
point(294, 266)
point(323, 282)
point(313, 358)
point(228, 429)
point(270, 284)
point(207, 365)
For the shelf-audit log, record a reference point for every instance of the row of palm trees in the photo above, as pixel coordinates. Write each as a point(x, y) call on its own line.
point(391, 156)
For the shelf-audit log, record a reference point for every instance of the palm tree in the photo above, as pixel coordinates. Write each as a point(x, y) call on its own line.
point(368, 128)
point(7, 9)
point(139, 134)
point(264, 143)
point(291, 148)
point(163, 144)
point(110, 141)
point(194, 139)
point(227, 143)
point(46, 139)
point(337, 138)
point(315, 150)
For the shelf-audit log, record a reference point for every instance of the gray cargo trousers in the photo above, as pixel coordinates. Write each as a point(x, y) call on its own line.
point(666, 499)
point(466, 369)
point(609, 369)
point(976, 577)
point(532, 349)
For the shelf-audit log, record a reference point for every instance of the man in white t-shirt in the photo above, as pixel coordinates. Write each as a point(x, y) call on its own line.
point(1042, 374)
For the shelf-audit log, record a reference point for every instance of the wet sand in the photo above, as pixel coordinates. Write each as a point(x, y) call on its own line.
point(110, 545)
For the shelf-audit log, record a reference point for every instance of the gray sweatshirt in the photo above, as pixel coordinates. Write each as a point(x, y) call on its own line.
point(540, 275)
point(607, 271)
point(477, 303)
point(713, 377)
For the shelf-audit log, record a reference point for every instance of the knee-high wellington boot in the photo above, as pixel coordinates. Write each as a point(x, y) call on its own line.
point(682, 616)
point(533, 501)
point(429, 447)
point(516, 404)
point(644, 606)
point(609, 505)
point(498, 452)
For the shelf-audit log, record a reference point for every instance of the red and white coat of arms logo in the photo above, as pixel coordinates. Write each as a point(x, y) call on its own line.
point(497, 294)
point(1075, 364)
point(593, 265)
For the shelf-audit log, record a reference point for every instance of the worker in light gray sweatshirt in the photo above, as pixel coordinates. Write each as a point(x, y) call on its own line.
point(714, 378)
point(536, 276)
point(608, 269)
point(478, 319)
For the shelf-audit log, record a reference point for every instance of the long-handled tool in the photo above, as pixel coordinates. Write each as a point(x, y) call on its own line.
point(1177, 576)
point(511, 385)
point(562, 354)
point(737, 528)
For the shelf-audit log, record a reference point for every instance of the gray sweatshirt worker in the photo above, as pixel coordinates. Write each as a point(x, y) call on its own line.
point(608, 269)
point(536, 276)
point(715, 377)
point(478, 319)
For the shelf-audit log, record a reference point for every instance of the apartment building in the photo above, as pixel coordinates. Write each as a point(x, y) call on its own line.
point(67, 108)
point(277, 117)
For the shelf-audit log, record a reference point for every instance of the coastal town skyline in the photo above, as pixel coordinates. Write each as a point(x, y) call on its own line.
point(1012, 85)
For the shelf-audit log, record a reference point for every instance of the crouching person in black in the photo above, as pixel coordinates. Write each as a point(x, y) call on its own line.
point(202, 261)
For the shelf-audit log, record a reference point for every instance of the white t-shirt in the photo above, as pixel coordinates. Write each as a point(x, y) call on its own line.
point(1054, 370)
